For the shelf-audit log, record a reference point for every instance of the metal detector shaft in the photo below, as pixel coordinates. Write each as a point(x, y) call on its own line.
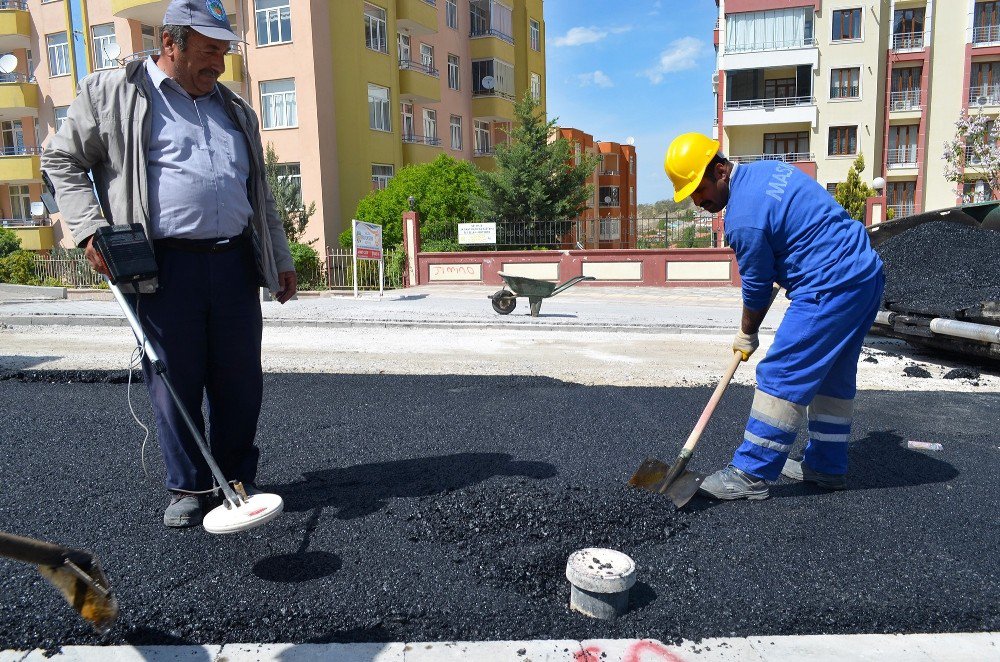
point(161, 370)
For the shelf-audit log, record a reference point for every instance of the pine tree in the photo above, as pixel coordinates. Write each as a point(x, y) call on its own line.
point(287, 197)
point(853, 193)
point(536, 181)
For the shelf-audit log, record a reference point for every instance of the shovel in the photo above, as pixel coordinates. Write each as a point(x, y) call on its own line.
point(74, 572)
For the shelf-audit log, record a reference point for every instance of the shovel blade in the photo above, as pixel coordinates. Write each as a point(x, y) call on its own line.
point(651, 476)
point(686, 486)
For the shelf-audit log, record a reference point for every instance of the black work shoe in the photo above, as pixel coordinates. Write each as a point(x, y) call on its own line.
point(799, 470)
point(731, 483)
point(183, 510)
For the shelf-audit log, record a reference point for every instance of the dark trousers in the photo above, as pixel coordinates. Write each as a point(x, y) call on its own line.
point(205, 324)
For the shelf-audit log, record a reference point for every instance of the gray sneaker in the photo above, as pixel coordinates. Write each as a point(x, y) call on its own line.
point(799, 470)
point(183, 510)
point(731, 483)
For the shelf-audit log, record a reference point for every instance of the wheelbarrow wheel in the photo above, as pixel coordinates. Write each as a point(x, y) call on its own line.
point(504, 302)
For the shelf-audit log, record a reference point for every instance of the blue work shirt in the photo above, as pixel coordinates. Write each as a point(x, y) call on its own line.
point(785, 228)
point(198, 164)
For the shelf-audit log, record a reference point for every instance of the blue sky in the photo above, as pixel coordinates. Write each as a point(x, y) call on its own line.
point(640, 68)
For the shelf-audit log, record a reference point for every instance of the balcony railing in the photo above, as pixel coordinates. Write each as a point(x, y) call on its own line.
point(19, 150)
point(760, 46)
point(787, 157)
point(489, 151)
point(25, 222)
point(490, 32)
point(907, 41)
point(16, 78)
point(421, 140)
point(139, 55)
point(972, 159)
point(901, 210)
point(986, 34)
point(14, 4)
point(904, 100)
point(905, 156)
point(845, 92)
point(611, 172)
point(480, 92)
point(422, 67)
point(780, 102)
point(984, 95)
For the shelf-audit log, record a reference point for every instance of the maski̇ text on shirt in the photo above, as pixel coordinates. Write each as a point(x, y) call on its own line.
point(779, 180)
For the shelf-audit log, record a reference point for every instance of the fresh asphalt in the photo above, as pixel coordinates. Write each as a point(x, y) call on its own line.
point(430, 508)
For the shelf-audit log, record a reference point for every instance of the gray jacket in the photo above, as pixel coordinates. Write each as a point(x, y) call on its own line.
point(107, 132)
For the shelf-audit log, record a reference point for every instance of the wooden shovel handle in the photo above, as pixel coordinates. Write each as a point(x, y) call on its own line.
point(692, 439)
point(39, 552)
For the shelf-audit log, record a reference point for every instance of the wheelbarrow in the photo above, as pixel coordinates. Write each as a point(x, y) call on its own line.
point(504, 301)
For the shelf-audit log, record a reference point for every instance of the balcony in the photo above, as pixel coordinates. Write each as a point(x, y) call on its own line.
point(765, 54)
point(492, 105)
point(901, 210)
point(804, 161)
point(233, 76)
point(417, 17)
point(904, 100)
point(20, 165)
point(15, 25)
point(18, 97)
point(985, 35)
point(151, 12)
point(902, 157)
point(781, 110)
point(35, 233)
point(418, 82)
point(984, 95)
point(485, 49)
point(907, 41)
point(420, 149)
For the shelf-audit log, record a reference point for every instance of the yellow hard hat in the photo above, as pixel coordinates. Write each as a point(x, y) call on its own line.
point(686, 160)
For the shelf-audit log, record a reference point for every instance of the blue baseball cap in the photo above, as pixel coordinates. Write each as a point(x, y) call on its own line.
point(206, 17)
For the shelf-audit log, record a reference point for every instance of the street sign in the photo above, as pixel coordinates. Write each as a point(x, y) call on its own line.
point(477, 233)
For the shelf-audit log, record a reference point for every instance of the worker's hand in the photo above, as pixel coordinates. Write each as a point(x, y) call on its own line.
point(288, 281)
point(95, 258)
point(745, 344)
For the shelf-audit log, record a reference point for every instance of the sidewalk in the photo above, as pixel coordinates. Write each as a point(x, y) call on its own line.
point(586, 308)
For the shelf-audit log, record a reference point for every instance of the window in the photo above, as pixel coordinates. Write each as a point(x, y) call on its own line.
point(20, 202)
point(902, 146)
point(456, 132)
point(536, 86)
point(899, 197)
point(843, 140)
point(451, 13)
point(403, 42)
point(609, 196)
point(150, 40)
point(274, 22)
point(427, 56)
point(986, 23)
point(831, 188)
point(291, 172)
point(381, 174)
point(908, 28)
point(60, 116)
point(453, 71)
point(972, 191)
point(780, 88)
point(58, 54)
point(609, 164)
point(105, 44)
point(491, 18)
point(535, 33)
point(846, 24)
point(484, 146)
point(492, 77)
point(430, 126)
point(378, 108)
point(787, 143)
point(985, 84)
point(408, 122)
point(769, 30)
point(277, 103)
point(844, 83)
point(375, 33)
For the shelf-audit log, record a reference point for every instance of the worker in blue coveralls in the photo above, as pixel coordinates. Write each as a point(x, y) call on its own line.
point(785, 228)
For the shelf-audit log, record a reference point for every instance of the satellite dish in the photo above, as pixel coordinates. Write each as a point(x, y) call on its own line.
point(112, 51)
point(37, 209)
point(489, 82)
point(8, 63)
point(607, 198)
point(630, 140)
point(981, 101)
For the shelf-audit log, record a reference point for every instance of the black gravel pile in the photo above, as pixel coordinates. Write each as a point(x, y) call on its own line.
point(962, 373)
point(916, 371)
point(71, 376)
point(940, 267)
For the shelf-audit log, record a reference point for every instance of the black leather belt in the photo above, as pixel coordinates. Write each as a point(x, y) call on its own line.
point(202, 245)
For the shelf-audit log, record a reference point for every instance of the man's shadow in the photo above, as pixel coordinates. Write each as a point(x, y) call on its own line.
point(363, 489)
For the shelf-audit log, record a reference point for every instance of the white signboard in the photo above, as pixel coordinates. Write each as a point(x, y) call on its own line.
point(477, 233)
point(368, 240)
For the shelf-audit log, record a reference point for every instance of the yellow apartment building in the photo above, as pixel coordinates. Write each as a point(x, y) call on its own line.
point(348, 91)
point(817, 82)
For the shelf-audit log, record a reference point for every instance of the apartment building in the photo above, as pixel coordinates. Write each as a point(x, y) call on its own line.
point(815, 83)
point(612, 207)
point(348, 92)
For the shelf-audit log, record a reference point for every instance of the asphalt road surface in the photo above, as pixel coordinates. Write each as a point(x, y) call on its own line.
point(444, 507)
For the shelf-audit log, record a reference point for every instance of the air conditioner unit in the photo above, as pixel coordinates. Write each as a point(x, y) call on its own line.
point(715, 78)
point(982, 101)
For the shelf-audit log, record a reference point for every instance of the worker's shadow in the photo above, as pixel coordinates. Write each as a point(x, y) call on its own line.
point(363, 489)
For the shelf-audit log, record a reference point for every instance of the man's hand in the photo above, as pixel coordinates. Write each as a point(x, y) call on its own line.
point(95, 258)
point(289, 283)
point(745, 344)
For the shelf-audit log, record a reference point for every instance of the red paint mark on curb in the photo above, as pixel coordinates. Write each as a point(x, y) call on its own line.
point(641, 651)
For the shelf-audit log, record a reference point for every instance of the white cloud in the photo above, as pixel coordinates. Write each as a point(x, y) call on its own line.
point(579, 36)
point(680, 55)
point(598, 78)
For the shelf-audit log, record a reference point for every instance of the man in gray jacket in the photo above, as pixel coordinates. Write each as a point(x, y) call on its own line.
point(172, 150)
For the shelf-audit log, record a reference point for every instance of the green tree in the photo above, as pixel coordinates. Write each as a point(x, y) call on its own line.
point(536, 180)
point(9, 242)
point(442, 192)
point(852, 193)
point(18, 268)
point(287, 197)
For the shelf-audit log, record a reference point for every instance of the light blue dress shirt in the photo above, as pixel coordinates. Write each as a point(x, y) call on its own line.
point(199, 164)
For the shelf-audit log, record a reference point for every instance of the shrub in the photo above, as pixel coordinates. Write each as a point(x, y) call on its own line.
point(18, 268)
point(9, 242)
point(307, 265)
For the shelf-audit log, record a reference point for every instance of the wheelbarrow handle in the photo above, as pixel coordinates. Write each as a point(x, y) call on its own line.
point(570, 283)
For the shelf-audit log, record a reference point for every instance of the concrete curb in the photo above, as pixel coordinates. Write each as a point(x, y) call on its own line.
point(814, 648)
point(7, 290)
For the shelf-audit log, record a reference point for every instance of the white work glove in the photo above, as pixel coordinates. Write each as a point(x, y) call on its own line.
point(745, 344)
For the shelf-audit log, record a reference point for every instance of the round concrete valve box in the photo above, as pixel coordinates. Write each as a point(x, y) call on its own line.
point(600, 580)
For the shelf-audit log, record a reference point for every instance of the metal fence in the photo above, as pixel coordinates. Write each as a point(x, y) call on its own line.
point(688, 229)
point(679, 230)
point(72, 271)
point(338, 272)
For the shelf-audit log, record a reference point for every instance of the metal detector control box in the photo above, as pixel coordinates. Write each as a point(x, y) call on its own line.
point(126, 251)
